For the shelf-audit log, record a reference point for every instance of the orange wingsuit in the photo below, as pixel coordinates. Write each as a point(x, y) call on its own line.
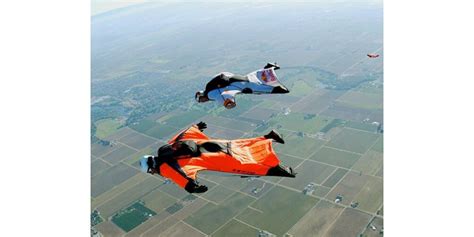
point(251, 156)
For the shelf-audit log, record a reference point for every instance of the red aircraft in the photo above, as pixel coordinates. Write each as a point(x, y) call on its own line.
point(372, 55)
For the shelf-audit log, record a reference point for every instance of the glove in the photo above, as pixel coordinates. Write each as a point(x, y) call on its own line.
point(200, 189)
point(192, 187)
point(201, 125)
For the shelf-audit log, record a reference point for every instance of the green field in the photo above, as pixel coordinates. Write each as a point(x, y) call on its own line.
point(107, 127)
point(182, 120)
point(300, 88)
point(369, 127)
point(162, 131)
point(299, 122)
point(362, 100)
point(276, 207)
point(132, 216)
point(218, 194)
point(334, 123)
point(378, 146)
point(335, 157)
point(353, 140)
point(210, 217)
point(143, 125)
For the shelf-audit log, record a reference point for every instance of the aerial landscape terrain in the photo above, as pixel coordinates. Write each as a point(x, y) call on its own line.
point(149, 59)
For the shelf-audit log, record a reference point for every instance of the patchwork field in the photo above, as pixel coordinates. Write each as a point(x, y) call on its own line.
point(318, 220)
point(335, 157)
point(145, 96)
point(109, 178)
point(351, 222)
point(209, 218)
point(272, 212)
point(300, 146)
point(353, 140)
point(309, 172)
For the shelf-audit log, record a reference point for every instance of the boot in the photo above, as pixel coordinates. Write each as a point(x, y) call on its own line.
point(275, 136)
point(280, 90)
point(281, 171)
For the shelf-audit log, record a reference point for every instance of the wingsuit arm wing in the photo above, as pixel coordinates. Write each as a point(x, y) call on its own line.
point(190, 133)
point(186, 181)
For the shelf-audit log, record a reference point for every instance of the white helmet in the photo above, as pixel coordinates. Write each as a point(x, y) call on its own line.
point(198, 95)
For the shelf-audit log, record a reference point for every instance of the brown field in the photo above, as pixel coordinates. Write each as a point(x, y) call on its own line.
point(308, 172)
point(182, 229)
point(210, 217)
point(123, 199)
point(349, 187)
point(110, 177)
point(366, 190)
point(137, 140)
point(161, 227)
point(317, 221)
point(173, 190)
point(351, 222)
point(118, 154)
point(378, 223)
point(148, 224)
point(321, 191)
point(369, 163)
point(98, 166)
point(370, 197)
point(118, 189)
point(109, 229)
point(190, 208)
point(236, 229)
point(335, 177)
point(256, 187)
point(158, 200)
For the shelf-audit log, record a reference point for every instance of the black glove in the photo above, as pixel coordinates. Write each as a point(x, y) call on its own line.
point(200, 189)
point(201, 125)
point(192, 187)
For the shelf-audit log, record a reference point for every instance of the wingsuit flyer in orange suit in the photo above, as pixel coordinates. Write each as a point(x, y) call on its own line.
point(191, 151)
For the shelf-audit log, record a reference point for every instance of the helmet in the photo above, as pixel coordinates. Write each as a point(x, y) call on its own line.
point(144, 163)
point(198, 95)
